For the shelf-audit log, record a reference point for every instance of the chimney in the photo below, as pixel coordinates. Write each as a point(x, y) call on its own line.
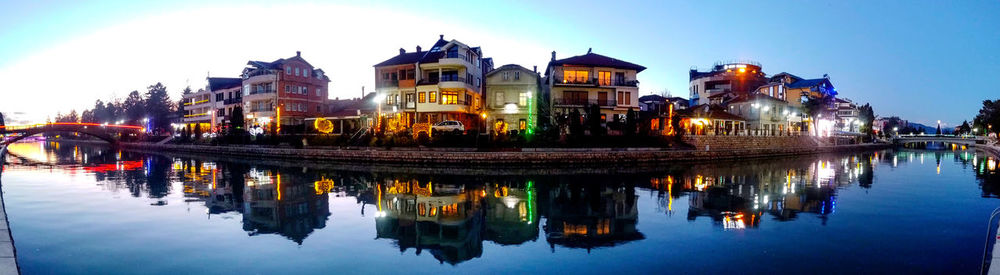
point(535, 69)
point(589, 50)
point(441, 37)
point(553, 55)
point(402, 51)
point(298, 53)
point(418, 48)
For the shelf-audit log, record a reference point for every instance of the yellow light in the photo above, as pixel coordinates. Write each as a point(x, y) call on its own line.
point(743, 70)
point(483, 115)
point(323, 125)
point(279, 186)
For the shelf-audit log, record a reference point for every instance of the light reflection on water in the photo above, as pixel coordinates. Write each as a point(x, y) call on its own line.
point(67, 200)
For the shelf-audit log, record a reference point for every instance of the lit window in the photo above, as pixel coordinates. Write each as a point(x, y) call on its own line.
point(422, 97)
point(575, 76)
point(449, 98)
point(522, 99)
point(433, 97)
point(522, 124)
point(604, 78)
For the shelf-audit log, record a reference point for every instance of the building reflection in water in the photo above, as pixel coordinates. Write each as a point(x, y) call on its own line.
point(452, 216)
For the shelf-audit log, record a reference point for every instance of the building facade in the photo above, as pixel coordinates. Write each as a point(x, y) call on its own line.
point(199, 110)
point(592, 79)
point(226, 95)
point(766, 115)
point(512, 93)
point(726, 81)
point(797, 90)
point(285, 91)
point(443, 83)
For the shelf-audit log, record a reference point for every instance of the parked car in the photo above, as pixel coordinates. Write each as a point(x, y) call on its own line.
point(448, 126)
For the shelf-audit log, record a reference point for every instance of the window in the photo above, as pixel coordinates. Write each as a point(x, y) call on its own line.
point(506, 75)
point(604, 78)
point(385, 76)
point(575, 76)
point(288, 69)
point(422, 97)
point(220, 112)
point(411, 74)
point(517, 75)
point(628, 98)
point(305, 90)
point(296, 71)
point(317, 109)
point(305, 72)
point(522, 124)
point(500, 100)
point(318, 92)
point(402, 74)
point(620, 78)
point(220, 96)
point(449, 98)
point(432, 97)
point(288, 89)
point(621, 97)
point(522, 99)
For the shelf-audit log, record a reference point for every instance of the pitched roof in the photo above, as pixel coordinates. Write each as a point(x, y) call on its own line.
point(806, 83)
point(219, 83)
point(710, 112)
point(596, 60)
point(753, 97)
point(509, 67)
point(652, 98)
point(404, 58)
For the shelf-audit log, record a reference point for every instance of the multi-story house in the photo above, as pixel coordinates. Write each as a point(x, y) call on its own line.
point(593, 79)
point(726, 81)
point(443, 83)
point(847, 115)
point(199, 110)
point(797, 90)
point(512, 94)
point(226, 94)
point(766, 115)
point(289, 89)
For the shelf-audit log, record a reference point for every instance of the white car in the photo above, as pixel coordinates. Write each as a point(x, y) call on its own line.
point(448, 126)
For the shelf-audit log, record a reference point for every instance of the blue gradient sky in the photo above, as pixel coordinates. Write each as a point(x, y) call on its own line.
point(921, 60)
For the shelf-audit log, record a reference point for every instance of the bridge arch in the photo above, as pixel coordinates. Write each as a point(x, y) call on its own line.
point(100, 134)
point(937, 139)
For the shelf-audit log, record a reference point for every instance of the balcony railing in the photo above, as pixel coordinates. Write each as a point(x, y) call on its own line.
point(233, 101)
point(445, 78)
point(388, 83)
point(257, 73)
point(456, 55)
point(411, 105)
point(597, 82)
point(262, 91)
point(584, 102)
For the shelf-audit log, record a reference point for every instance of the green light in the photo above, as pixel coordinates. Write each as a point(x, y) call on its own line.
point(531, 201)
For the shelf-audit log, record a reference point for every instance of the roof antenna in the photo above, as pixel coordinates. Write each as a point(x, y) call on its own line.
point(589, 50)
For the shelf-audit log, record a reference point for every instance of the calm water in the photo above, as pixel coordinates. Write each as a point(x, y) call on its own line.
point(86, 209)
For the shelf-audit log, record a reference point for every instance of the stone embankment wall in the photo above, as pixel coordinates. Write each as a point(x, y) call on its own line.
point(723, 143)
point(467, 156)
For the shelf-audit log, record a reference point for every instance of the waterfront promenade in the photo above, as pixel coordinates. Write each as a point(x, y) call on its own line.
point(8, 262)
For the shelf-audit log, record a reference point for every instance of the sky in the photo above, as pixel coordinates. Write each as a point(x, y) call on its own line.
point(920, 60)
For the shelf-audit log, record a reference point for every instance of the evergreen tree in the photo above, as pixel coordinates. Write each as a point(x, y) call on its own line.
point(594, 120)
point(236, 119)
point(197, 132)
point(631, 121)
point(158, 106)
point(134, 107)
point(72, 117)
point(867, 118)
point(575, 125)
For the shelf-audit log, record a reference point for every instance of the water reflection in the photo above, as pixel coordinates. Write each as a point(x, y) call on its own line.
point(451, 217)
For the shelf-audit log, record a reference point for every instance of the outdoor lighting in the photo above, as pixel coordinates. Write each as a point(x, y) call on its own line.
point(510, 108)
point(144, 120)
point(895, 129)
point(483, 115)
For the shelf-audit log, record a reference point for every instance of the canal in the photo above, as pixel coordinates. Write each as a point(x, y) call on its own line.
point(76, 208)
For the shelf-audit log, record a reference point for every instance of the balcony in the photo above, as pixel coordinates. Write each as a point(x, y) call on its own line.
point(577, 81)
point(262, 91)
point(559, 101)
point(388, 83)
point(237, 100)
point(411, 105)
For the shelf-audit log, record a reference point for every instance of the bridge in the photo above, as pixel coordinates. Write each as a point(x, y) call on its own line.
point(107, 132)
point(962, 140)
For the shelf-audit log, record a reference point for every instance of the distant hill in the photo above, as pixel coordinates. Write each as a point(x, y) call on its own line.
point(931, 129)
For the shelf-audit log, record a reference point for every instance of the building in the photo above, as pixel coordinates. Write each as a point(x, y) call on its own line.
point(766, 115)
point(285, 91)
point(847, 116)
point(726, 81)
point(512, 93)
point(797, 90)
point(443, 83)
point(592, 79)
point(226, 95)
point(345, 116)
point(707, 119)
point(199, 109)
point(659, 105)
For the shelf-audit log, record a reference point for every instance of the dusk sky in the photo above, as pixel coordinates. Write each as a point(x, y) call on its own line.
point(921, 60)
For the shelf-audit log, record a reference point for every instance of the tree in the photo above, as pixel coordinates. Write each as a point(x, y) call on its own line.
point(3, 130)
point(187, 90)
point(867, 117)
point(72, 117)
point(594, 120)
point(989, 116)
point(817, 107)
point(631, 122)
point(197, 132)
point(236, 119)
point(963, 129)
point(134, 107)
point(938, 129)
point(575, 124)
point(666, 93)
point(158, 106)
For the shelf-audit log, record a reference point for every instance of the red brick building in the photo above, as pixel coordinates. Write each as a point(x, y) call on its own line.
point(289, 88)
